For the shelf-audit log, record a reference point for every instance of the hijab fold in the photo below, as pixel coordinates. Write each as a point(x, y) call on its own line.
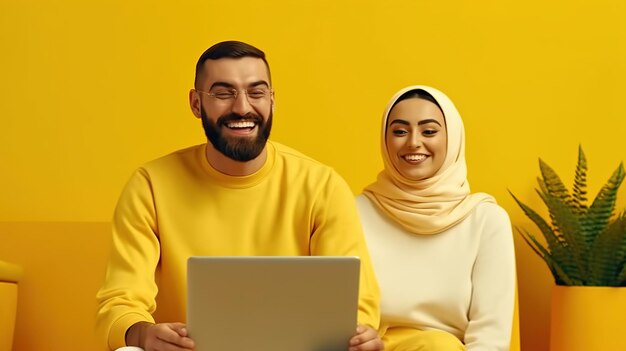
point(431, 205)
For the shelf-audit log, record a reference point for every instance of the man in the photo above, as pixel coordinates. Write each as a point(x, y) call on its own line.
point(239, 194)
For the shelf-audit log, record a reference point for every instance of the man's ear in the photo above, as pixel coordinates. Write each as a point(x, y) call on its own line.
point(194, 103)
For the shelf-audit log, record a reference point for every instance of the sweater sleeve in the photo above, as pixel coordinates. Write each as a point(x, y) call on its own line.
point(128, 293)
point(337, 231)
point(493, 285)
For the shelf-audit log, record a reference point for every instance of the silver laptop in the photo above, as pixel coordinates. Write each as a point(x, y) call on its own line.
point(277, 303)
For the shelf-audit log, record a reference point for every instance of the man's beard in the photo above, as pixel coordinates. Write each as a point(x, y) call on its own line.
point(241, 149)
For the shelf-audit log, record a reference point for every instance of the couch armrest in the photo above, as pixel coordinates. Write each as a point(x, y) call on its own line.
point(10, 272)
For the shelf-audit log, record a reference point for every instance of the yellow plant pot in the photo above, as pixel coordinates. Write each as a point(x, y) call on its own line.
point(9, 276)
point(587, 318)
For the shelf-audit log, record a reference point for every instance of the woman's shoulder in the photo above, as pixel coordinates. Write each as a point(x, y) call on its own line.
point(368, 211)
point(490, 207)
point(362, 198)
point(363, 203)
point(491, 215)
point(490, 210)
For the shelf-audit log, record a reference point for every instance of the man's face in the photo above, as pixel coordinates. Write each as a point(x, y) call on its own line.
point(237, 126)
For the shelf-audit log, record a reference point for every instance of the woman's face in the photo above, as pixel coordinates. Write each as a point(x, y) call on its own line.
point(416, 138)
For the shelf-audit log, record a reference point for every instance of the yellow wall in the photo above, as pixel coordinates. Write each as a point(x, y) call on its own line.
point(91, 89)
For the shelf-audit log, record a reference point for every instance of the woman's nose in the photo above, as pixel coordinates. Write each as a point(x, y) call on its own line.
point(415, 140)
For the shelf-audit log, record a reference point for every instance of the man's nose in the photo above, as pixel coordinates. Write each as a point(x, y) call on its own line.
point(241, 105)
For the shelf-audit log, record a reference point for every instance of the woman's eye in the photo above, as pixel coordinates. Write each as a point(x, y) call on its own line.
point(430, 132)
point(399, 132)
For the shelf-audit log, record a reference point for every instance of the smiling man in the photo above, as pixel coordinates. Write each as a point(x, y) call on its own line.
point(237, 195)
point(237, 110)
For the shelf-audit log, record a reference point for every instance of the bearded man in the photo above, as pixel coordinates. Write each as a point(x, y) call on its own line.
point(239, 194)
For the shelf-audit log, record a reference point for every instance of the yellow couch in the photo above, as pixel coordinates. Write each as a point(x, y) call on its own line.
point(63, 267)
point(10, 275)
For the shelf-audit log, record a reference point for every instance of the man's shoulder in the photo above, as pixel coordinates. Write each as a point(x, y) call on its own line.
point(291, 155)
point(179, 157)
point(305, 165)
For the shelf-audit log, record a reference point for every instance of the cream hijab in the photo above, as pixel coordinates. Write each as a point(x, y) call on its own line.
point(432, 205)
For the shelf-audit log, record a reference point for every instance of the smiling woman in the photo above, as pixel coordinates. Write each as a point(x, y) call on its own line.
point(416, 135)
point(422, 224)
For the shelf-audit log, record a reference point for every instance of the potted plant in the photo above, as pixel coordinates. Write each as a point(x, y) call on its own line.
point(586, 252)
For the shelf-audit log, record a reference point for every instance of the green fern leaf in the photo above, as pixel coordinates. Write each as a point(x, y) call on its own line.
point(603, 205)
point(622, 277)
point(545, 228)
point(558, 249)
point(608, 253)
point(579, 191)
point(534, 245)
point(579, 200)
point(543, 191)
point(570, 229)
point(553, 184)
point(552, 238)
point(560, 276)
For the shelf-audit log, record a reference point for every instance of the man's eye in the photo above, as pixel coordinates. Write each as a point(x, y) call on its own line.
point(256, 94)
point(223, 95)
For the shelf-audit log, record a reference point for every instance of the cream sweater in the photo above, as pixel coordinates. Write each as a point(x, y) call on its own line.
point(461, 281)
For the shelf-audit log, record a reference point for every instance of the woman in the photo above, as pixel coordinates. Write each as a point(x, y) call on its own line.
point(444, 258)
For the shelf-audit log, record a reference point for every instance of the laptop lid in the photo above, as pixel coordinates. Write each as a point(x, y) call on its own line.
point(277, 303)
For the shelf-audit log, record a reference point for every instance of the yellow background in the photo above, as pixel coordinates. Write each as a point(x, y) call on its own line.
point(89, 90)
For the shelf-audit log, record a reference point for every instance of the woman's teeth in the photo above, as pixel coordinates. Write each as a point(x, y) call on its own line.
point(414, 157)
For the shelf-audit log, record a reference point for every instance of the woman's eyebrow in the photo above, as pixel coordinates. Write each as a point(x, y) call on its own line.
point(426, 121)
point(399, 121)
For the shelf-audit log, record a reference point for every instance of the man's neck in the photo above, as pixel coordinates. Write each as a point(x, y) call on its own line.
point(227, 165)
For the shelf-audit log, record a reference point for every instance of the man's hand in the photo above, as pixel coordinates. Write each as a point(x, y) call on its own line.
point(365, 339)
point(162, 337)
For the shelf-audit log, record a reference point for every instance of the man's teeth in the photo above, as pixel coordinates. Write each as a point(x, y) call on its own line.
point(414, 157)
point(240, 124)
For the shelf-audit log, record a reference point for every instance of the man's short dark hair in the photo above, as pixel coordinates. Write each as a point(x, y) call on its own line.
point(229, 49)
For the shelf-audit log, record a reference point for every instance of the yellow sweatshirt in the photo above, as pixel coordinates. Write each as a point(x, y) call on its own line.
point(179, 206)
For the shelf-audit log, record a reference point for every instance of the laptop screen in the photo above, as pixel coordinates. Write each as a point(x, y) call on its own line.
point(263, 303)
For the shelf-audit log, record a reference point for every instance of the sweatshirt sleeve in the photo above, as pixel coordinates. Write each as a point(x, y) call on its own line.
point(337, 231)
point(128, 293)
point(493, 285)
